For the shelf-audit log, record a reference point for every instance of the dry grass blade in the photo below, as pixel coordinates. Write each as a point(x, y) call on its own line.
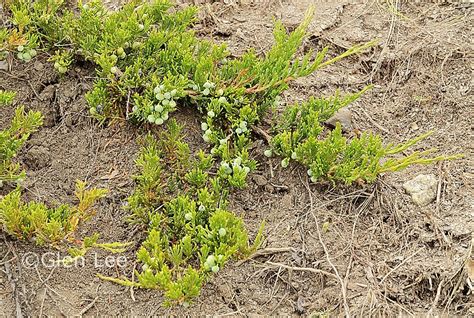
point(303, 269)
point(326, 252)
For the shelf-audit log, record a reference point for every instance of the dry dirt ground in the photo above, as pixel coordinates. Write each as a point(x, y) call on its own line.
point(385, 256)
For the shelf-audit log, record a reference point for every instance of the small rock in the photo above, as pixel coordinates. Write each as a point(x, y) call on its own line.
point(38, 66)
point(3, 65)
point(38, 157)
point(78, 106)
point(68, 120)
point(240, 18)
point(422, 189)
point(245, 2)
point(300, 305)
point(269, 188)
point(470, 269)
point(342, 116)
point(70, 93)
point(286, 202)
point(260, 180)
point(239, 33)
point(456, 229)
point(224, 30)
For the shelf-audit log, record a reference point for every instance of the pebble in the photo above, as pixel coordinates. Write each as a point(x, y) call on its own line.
point(3, 65)
point(342, 116)
point(38, 66)
point(269, 188)
point(470, 269)
point(240, 19)
point(38, 157)
point(422, 189)
point(260, 180)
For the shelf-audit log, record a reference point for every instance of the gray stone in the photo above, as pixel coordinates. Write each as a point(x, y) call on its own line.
point(38, 157)
point(260, 180)
point(342, 116)
point(3, 65)
point(38, 66)
point(422, 189)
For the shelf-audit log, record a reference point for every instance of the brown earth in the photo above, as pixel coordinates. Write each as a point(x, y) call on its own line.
point(385, 256)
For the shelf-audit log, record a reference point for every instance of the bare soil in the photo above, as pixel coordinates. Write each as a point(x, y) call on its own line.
point(385, 256)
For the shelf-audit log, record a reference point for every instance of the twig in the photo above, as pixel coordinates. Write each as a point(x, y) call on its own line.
point(387, 43)
point(33, 89)
point(302, 269)
point(278, 305)
point(282, 187)
point(42, 303)
point(19, 313)
point(436, 300)
point(399, 306)
point(267, 251)
point(12, 279)
point(58, 304)
point(440, 185)
point(86, 309)
point(128, 105)
point(272, 174)
point(8, 261)
point(458, 273)
point(336, 272)
point(43, 281)
point(400, 265)
point(132, 294)
point(438, 203)
point(376, 124)
point(228, 314)
point(263, 133)
point(275, 284)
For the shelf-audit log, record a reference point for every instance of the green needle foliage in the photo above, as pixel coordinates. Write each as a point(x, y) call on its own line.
point(300, 136)
point(190, 233)
point(35, 221)
point(6, 97)
point(150, 62)
point(12, 139)
point(89, 243)
point(156, 185)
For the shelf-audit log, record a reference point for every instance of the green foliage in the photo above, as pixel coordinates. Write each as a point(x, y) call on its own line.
point(12, 139)
point(6, 97)
point(35, 221)
point(90, 242)
point(23, 38)
point(190, 234)
point(62, 60)
point(300, 137)
point(149, 62)
point(87, 199)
